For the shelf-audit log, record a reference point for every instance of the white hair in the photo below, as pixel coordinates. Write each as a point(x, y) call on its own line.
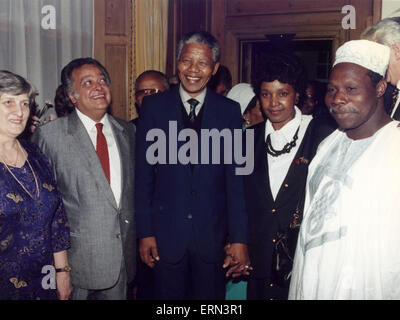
point(386, 32)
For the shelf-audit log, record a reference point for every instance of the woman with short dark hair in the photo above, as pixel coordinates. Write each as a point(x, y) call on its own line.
point(284, 146)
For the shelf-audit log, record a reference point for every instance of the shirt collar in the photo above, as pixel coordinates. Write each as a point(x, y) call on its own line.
point(89, 124)
point(289, 129)
point(185, 96)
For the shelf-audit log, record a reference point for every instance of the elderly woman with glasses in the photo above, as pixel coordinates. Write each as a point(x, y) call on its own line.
point(34, 232)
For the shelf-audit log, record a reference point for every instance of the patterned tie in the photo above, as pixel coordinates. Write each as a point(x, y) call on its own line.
point(102, 150)
point(192, 115)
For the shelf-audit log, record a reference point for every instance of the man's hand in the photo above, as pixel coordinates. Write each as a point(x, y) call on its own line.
point(148, 251)
point(237, 258)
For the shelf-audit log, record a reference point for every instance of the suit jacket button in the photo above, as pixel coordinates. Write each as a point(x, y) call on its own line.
point(189, 216)
point(273, 210)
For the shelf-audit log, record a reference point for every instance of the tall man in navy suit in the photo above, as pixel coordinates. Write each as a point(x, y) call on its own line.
point(187, 212)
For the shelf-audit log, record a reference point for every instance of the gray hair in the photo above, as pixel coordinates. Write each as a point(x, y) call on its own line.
point(154, 73)
point(201, 37)
point(386, 32)
point(14, 84)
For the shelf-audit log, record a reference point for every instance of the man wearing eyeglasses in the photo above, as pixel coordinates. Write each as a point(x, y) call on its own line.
point(147, 83)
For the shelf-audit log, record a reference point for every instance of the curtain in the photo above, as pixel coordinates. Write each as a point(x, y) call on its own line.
point(150, 37)
point(37, 50)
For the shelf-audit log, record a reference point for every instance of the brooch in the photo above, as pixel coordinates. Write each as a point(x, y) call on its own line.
point(18, 284)
point(16, 197)
point(301, 160)
point(48, 187)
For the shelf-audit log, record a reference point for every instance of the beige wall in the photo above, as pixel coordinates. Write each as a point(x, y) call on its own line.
point(389, 7)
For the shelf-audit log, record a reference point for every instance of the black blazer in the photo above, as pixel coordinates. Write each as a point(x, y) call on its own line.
point(267, 216)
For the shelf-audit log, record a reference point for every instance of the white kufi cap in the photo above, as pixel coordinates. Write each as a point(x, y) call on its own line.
point(368, 54)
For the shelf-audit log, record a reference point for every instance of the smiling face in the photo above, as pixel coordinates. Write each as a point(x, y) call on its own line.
point(195, 67)
point(277, 101)
point(14, 113)
point(92, 93)
point(352, 100)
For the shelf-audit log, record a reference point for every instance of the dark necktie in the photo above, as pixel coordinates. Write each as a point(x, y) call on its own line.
point(192, 115)
point(394, 100)
point(102, 150)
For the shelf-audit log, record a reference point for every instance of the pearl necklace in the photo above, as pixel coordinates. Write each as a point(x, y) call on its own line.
point(19, 182)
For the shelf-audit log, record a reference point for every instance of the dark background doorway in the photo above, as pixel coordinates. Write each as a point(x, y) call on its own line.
point(314, 54)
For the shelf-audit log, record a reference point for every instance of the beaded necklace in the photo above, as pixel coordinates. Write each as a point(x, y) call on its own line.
point(19, 182)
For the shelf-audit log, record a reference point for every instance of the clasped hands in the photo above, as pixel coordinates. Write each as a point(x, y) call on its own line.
point(237, 258)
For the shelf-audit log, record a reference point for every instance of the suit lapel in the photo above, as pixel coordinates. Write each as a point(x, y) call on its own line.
point(294, 174)
point(123, 148)
point(261, 160)
point(85, 150)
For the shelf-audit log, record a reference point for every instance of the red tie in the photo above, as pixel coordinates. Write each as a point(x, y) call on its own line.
point(102, 150)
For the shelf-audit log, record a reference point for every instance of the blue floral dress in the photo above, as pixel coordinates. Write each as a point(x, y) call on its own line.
point(31, 230)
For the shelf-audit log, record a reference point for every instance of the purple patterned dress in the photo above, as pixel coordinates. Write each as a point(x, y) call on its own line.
point(30, 230)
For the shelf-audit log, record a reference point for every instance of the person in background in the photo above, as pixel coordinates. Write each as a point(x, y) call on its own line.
point(60, 106)
point(284, 146)
point(221, 81)
point(313, 103)
point(147, 83)
point(310, 101)
point(243, 93)
point(387, 32)
point(351, 217)
point(63, 108)
point(92, 155)
point(34, 230)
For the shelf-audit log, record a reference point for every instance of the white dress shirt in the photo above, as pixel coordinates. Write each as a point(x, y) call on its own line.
point(185, 97)
point(278, 167)
point(113, 152)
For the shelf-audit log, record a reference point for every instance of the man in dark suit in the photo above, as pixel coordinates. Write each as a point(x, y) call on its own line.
point(187, 212)
point(92, 154)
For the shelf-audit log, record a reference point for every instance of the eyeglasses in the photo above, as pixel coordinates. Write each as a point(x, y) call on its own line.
point(147, 92)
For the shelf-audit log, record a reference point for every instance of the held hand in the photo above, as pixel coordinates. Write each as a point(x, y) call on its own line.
point(229, 261)
point(148, 251)
point(238, 259)
point(64, 287)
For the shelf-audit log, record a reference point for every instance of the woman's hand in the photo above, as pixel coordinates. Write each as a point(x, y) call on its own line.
point(64, 287)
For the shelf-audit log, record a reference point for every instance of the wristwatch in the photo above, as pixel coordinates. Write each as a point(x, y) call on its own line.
point(64, 269)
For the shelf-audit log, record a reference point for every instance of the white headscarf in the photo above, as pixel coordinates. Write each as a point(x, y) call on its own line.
point(242, 93)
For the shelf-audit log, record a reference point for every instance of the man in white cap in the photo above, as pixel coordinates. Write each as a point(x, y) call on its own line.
point(348, 242)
